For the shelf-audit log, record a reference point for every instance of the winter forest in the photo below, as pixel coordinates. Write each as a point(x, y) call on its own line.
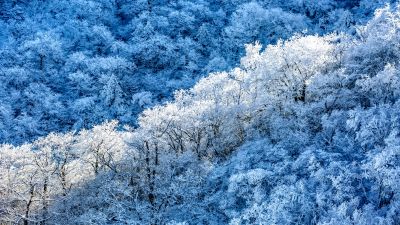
point(212, 112)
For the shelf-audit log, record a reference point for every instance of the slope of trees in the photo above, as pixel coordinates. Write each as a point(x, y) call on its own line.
point(304, 131)
point(72, 64)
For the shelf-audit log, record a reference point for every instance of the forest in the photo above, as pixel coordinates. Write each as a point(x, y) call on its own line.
point(199, 112)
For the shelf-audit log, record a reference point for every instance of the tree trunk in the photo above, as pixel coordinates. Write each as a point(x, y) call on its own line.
point(44, 199)
point(28, 205)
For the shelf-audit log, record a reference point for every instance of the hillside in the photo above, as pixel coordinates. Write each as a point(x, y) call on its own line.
point(302, 129)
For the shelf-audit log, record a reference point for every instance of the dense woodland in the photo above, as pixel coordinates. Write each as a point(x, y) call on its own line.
point(199, 112)
point(72, 64)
